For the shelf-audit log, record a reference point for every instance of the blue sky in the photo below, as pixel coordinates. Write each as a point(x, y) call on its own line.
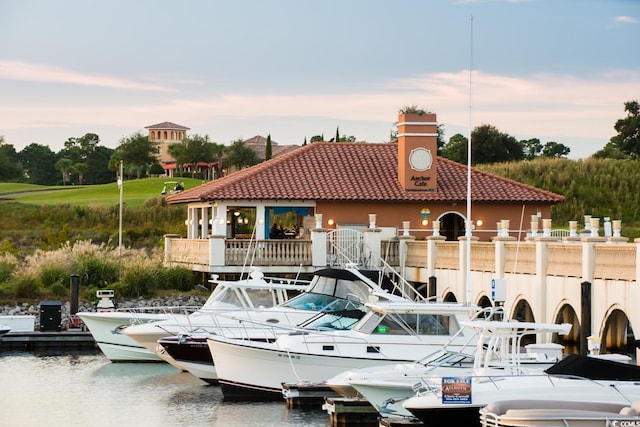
point(558, 70)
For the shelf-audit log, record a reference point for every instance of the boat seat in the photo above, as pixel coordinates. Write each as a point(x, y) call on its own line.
point(546, 413)
point(628, 411)
point(504, 406)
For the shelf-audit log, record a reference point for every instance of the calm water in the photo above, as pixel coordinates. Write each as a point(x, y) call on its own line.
point(89, 390)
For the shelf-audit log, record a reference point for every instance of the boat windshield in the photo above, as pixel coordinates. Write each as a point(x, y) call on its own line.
point(408, 324)
point(242, 297)
point(325, 290)
point(447, 358)
point(337, 320)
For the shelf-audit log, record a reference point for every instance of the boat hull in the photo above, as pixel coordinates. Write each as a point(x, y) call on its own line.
point(193, 354)
point(429, 406)
point(108, 328)
point(278, 366)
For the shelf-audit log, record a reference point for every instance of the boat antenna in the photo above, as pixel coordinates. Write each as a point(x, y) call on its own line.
point(469, 224)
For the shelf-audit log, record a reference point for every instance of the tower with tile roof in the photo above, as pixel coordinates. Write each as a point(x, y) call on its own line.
point(164, 134)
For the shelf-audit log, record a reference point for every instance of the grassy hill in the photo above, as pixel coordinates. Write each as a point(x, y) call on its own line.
point(134, 193)
point(597, 187)
point(38, 217)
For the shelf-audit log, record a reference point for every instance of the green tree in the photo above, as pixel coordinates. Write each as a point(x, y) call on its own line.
point(456, 149)
point(412, 109)
point(65, 167)
point(555, 149)
point(156, 169)
point(136, 151)
point(532, 148)
point(610, 152)
point(489, 145)
point(86, 149)
point(85, 144)
point(240, 156)
point(39, 164)
point(268, 149)
point(628, 138)
point(80, 168)
point(194, 149)
point(99, 172)
point(10, 167)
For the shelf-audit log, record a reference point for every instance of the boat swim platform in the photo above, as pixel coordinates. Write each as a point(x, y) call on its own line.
point(306, 395)
point(68, 340)
point(350, 411)
point(343, 411)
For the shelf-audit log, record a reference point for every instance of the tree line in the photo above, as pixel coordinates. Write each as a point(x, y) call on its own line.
point(84, 161)
point(489, 145)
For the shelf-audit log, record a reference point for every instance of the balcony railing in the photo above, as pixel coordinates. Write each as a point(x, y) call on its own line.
point(268, 252)
point(563, 259)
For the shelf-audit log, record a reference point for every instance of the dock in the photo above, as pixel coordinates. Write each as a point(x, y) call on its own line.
point(48, 340)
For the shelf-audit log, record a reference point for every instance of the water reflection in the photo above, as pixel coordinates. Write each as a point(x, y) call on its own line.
point(89, 390)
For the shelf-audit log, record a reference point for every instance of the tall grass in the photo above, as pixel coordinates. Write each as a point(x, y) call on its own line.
point(132, 273)
point(597, 187)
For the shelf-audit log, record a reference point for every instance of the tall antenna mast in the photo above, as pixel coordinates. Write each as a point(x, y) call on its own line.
point(469, 224)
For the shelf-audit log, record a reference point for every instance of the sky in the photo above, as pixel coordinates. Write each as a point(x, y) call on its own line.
point(556, 70)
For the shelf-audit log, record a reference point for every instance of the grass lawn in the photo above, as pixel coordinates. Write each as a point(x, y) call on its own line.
point(134, 192)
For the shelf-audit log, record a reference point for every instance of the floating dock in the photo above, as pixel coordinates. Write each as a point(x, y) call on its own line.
point(51, 340)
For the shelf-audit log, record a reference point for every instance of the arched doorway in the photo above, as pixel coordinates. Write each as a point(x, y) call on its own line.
point(570, 341)
point(617, 335)
point(523, 313)
point(452, 225)
point(450, 297)
point(485, 302)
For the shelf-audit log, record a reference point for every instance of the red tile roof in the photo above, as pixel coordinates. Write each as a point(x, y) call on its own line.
point(258, 144)
point(357, 172)
point(167, 125)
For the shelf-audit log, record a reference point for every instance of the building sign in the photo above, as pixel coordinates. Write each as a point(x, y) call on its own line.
point(417, 148)
point(456, 390)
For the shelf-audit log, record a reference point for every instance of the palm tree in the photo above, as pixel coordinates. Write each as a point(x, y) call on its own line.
point(65, 166)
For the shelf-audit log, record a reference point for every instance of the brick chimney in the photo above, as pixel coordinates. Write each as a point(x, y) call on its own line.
point(417, 151)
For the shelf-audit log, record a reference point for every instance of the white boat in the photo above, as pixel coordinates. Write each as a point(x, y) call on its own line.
point(498, 351)
point(4, 329)
point(331, 289)
point(457, 400)
point(560, 413)
point(390, 332)
point(107, 327)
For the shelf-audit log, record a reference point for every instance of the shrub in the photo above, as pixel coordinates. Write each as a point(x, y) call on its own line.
point(59, 290)
point(98, 271)
point(52, 273)
point(137, 281)
point(6, 270)
point(178, 278)
point(26, 287)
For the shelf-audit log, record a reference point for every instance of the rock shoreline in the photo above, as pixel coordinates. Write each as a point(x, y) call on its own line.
point(139, 304)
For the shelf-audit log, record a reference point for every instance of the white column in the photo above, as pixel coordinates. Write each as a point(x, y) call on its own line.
point(406, 226)
point(319, 245)
point(261, 233)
